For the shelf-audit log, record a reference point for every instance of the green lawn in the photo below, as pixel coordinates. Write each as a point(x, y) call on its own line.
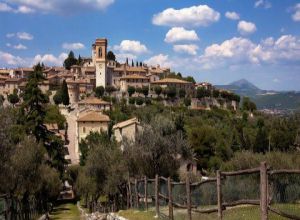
point(237, 213)
point(68, 211)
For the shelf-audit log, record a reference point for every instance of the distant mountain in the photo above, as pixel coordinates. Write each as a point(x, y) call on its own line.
point(265, 99)
point(242, 87)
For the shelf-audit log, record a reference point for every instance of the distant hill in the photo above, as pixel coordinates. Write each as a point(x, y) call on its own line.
point(265, 99)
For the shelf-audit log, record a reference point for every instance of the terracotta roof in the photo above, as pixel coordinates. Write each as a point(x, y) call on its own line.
point(78, 81)
point(93, 101)
point(90, 69)
point(135, 69)
point(93, 116)
point(134, 76)
point(172, 80)
point(13, 80)
point(126, 123)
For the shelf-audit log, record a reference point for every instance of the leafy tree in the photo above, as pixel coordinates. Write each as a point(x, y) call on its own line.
point(13, 98)
point(70, 61)
point(53, 115)
point(202, 92)
point(181, 93)
point(187, 102)
point(139, 100)
point(137, 64)
point(171, 92)
point(132, 63)
point(131, 100)
point(157, 143)
point(110, 89)
point(99, 91)
point(127, 63)
point(65, 94)
point(57, 98)
point(216, 93)
point(248, 105)
point(130, 90)
point(145, 90)
point(111, 56)
point(139, 90)
point(157, 90)
point(141, 64)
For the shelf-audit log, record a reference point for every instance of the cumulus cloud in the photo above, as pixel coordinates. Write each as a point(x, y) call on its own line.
point(246, 28)
point(131, 46)
point(232, 15)
point(180, 34)
point(9, 59)
point(20, 35)
point(65, 6)
point(263, 3)
point(49, 59)
point(201, 15)
point(17, 47)
point(239, 51)
point(4, 7)
point(121, 57)
point(160, 59)
point(73, 46)
point(186, 48)
point(296, 15)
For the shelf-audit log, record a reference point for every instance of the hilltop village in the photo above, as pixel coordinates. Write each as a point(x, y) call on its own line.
point(94, 84)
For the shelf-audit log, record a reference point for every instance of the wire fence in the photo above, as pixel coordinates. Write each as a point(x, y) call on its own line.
point(260, 193)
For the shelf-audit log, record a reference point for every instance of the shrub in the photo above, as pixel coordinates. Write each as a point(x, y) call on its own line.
point(139, 101)
point(131, 100)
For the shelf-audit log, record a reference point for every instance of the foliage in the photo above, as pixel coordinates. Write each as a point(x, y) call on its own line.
point(181, 93)
point(53, 115)
point(157, 90)
point(111, 56)
point(139, 100)
point(2, 99)
point(145, 90)
point(171, 92)
point(131, 100)
point(65, 94)
point(99, 91)
point(248, 105)
point(187, 102)
point(70, 61)
point(203, 92)
point(110, 89)
point(57, 98)
point(130, 90)
point(13, 98)
point(155, 149)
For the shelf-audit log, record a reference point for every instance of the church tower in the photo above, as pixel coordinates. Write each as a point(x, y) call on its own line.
point(99, 60)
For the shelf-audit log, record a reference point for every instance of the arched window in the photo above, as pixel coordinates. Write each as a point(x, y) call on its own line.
point(100, 52)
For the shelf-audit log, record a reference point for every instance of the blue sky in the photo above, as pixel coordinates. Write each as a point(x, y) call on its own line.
point(215, 40)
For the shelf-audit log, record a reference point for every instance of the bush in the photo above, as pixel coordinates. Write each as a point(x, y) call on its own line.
point(187, 102)
point(99, 91)
point(131, 100)
point(139, 101)
point(131, 90)
point(148, 101)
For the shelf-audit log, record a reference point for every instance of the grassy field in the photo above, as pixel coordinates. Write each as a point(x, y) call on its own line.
point(68, 211)
point(237, 213)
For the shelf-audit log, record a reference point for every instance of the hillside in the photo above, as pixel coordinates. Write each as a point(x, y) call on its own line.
point(265, 99)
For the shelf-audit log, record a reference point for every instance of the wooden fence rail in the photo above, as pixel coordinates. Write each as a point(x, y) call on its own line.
point(264, 201)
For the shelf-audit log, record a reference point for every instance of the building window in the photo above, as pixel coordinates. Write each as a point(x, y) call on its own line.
point(100, 52)
point(83, 129)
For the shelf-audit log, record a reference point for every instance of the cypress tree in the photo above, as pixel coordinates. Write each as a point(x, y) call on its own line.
point(65, 93)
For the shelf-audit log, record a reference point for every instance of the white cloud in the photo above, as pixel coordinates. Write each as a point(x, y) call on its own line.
point(20, 47)
point(240, 51)
point(24, 36)
point(49, 59)
point(9, 59)
point(17, 47)
point(232, 15)
point(10, 35)
point(5, 7)
point(186, 48)
point(263, 3)
point(131, 46)
point(245, 27)
point(201, 15)
point(180, 34)
point(121, 57)
point(160, 59)
point(73, 46)
point(65, 6)
point(296, 15)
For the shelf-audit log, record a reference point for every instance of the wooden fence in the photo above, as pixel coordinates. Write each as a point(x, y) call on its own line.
point(13, 209)
point(134, 197)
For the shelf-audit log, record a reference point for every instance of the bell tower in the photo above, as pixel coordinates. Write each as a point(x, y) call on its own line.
point(99, 60)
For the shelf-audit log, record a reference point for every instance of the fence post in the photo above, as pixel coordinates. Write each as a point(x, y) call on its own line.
point(136, 194)
point(188, 196)
point(171, 217)
point(146, 193)
point(219, 191)
point(157, 196)
point(263, 191)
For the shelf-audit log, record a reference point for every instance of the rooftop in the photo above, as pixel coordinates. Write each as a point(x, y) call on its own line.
point(93, 116)
point(93, 101)
point(126, 123)
point(171, 80)
point(134, 76)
